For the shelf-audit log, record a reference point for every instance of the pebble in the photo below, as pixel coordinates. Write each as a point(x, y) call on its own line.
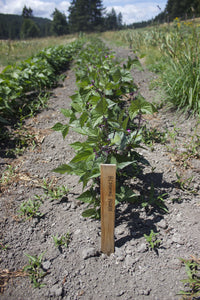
point(119, 230)
point(46, 264)
point(73, 205)
point(177, 239)
point(129, 250)
point(129, 261)
point(162, 224)
point(119, 252)
point(142, 248)
point(120, 293)
point(67, 206)
point(56, 291)
point(179, 217)
point(89, 252)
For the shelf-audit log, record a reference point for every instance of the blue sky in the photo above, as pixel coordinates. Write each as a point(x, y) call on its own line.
point(132, 11)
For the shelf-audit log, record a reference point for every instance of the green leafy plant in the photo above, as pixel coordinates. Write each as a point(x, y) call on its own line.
point(192, 282)
point(151, 199)
point(152, 239)
point(30, 209)
point(153, 135)
point(34, 270)
point(34, 75)
point(108, 111)
point(62, 240)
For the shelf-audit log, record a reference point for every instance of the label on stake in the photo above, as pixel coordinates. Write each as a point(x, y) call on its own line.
point(108, 186)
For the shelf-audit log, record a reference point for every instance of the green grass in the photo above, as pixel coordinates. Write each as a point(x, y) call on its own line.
point(12, 52)
point(173, 52)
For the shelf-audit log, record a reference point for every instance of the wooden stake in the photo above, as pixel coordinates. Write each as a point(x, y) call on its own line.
point(108, 186)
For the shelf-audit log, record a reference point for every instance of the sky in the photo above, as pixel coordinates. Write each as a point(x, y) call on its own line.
point(132, 11)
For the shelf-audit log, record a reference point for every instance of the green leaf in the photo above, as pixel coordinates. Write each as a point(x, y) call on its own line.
point(65, 130)
point(83, 118)
point(102, 106)
point(85, 196)
point(113, 160)
point(117, 75)
point(77, 107)
point(140, 106)
point(83, 155)
point(66, 112)
point(124, 164)
point(63, 169)
point(91, 212)
point(77, 145)
point(125, 122)
point(116, 140)
point(57, 127)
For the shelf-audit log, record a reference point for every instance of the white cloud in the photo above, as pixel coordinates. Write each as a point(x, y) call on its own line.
point(40, 8)
point(131, 13)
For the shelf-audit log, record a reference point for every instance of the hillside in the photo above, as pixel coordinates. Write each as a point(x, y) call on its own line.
point(10, 26)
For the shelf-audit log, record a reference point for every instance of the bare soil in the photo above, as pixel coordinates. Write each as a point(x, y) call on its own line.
point(81, 271)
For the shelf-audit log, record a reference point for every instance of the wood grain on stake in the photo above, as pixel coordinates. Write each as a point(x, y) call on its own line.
point(108, 185)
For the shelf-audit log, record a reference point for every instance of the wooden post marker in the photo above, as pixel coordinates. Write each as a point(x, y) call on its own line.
point(108, 186)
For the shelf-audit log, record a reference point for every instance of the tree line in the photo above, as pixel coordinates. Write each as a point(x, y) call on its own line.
point(86, 16)
point(184, 9)
point(83, 16)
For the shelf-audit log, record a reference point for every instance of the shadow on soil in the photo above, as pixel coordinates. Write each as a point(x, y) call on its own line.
point(150, 187)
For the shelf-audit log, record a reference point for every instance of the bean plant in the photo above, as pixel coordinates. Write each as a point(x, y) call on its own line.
point(107, 110)
point(35, 74)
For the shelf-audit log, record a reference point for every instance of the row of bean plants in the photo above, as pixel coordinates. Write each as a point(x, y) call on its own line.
point(107, 110)
point(35, 74)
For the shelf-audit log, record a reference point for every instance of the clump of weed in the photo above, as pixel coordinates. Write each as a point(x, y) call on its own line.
point(35, 270)
point(30, 209)
point(62, 240)
point(152, 240)
point(192, 283)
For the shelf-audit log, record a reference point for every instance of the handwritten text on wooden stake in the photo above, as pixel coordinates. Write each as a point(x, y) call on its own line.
point(108, 185)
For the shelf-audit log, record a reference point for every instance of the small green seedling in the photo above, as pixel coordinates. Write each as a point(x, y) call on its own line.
point(53, 192)
point(152, 239)
point(61, 241)
point(192, 283)
point(183, 184)
point(7, 175)
point(3, 247)
point(30, 209)
point(34, 270)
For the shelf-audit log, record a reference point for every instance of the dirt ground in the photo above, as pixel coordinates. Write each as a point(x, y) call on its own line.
point(81, 271)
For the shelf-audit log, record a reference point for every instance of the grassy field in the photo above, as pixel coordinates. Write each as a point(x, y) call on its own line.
point(172, 51)
point(14, 51)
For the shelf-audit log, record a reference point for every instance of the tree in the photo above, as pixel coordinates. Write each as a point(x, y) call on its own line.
point(29, 29)
point(86, 15)
point(27, 12)
point(177, 8)
point(59, 23)
point(119, 21)
point(113, 21)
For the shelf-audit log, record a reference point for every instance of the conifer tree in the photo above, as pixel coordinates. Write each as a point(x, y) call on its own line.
point(85, 15)
point(182, 9)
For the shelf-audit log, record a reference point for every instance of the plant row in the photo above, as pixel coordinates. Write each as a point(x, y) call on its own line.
point(107, 111)
point(35, 74)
